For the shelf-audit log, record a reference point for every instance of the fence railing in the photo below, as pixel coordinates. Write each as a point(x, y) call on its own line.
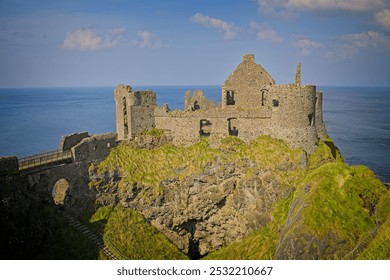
point(54, 157)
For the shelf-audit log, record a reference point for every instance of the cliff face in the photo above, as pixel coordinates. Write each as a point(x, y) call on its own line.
point(201, 198)
point(258, 200)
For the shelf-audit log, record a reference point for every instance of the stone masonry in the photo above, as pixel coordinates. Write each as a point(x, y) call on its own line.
point(252, 105)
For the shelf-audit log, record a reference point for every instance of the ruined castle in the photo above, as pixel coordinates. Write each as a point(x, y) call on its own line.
point(252, 105)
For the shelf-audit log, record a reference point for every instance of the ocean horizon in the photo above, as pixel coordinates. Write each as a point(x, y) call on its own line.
point(33, 120)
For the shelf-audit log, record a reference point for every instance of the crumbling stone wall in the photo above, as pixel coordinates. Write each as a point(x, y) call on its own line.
point(96, 147)
point(9, 164)
point(69, 141)
point(252, 105)
point(197, 101)
point(134, 111)
point(245, 84)
point(320, 125)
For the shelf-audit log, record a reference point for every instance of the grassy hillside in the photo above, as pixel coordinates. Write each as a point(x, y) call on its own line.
point(333, 198)
point(348, 201)
point(135, 239)
point(148, 167)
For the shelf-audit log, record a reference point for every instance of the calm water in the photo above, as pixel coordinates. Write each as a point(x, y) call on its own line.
point(33, 120)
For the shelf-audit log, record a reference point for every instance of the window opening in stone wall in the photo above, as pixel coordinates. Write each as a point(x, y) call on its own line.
point(60, 190)
point(263, 96)
point(205, 128)
point(230, 97)
point(233, 131)
point(196, 106)
point(275, 103)
point(125, 125)
point(311, 119)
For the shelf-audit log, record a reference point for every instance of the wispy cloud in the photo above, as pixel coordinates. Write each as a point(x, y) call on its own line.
point(276, 8)
point(383, 18)
point(147, 39)
point(347, 5)
point(289, 9)
point(305, 45)
point(228, 29)
point(88, 39)
point(348, 46)
point(265, 33)
point(368, 39)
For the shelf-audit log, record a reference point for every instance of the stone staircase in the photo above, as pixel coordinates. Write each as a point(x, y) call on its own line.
point(361, 245)
point(96, 238)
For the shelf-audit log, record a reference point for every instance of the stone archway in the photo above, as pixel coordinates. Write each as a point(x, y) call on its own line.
point(60, 191)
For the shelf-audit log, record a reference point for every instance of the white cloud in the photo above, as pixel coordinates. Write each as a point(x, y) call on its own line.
point(227, 28)
point(288, 9)
point(265, 33)
point(383, 18)
point(147, 40)
point(118, 31)
point(368, 39)
point(87, 39)
point(348, 5)
point(306, 45)
point(276, 8)
point(350, 44)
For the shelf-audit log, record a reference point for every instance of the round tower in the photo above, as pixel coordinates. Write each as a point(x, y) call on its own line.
point(293, 117)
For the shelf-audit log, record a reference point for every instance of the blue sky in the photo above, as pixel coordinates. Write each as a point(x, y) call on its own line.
point(192, 42)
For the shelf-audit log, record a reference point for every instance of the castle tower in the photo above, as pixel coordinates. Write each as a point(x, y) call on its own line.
point(294, 115)
point(134, 111)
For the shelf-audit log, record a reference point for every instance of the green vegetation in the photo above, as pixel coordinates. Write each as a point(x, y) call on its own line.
point(342, 199)
point(347, 201)
point(379, 248)
point(133, 237)
point(148, 167)
point(259, 245)
point(325, 152)
point(154, 132)
point(63, 242)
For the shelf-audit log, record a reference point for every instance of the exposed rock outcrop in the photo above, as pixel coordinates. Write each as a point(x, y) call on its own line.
point(204, 199)
point(206, 210)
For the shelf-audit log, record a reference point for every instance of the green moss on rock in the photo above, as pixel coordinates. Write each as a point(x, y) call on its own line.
point(333, 208)
point(325, 152)
point(341, 199)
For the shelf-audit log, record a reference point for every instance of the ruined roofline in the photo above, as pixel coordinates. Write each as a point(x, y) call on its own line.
point(248, 61)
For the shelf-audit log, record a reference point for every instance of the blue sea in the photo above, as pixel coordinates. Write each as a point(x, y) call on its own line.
point(32, 120)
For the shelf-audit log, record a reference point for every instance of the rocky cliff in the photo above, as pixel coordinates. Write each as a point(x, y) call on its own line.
point(260, 200)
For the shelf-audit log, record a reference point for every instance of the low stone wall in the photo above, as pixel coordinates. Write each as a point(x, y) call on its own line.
point(94, 148)
point(71, 140)
point(9, 164)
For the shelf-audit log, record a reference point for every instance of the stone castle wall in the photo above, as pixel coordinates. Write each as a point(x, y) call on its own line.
point(69, 141)
point(134, 111)
point(293, 119)
point(252, 105)
point(95, 147)
point(244, 85)
point(320, 125)
point(197, 101)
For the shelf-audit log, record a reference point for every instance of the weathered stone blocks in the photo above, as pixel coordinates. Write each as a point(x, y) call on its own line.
point(252, 105)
